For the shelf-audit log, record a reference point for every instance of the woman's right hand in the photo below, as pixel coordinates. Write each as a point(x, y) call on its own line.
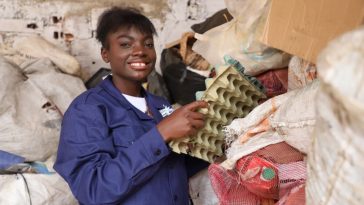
point(183, 122)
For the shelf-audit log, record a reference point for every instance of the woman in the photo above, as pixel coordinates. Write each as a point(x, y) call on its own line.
point(113, 147)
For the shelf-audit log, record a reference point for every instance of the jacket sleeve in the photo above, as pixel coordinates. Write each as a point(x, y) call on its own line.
point(89, 162)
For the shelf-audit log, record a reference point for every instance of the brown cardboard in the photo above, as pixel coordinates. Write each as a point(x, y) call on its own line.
point(304, 27)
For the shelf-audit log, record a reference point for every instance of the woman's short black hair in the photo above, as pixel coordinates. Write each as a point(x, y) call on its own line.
point(116, 17)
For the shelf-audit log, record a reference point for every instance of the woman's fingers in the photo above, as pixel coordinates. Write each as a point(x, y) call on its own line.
point(195, 115)
point(195, 105)
point(197, 123)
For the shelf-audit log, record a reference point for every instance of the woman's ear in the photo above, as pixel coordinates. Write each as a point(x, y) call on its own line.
point(105, 55)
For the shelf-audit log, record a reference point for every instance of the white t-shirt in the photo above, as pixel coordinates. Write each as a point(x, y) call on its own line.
point(138, 102)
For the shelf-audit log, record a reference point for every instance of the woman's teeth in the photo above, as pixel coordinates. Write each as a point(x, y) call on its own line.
point(137, 64)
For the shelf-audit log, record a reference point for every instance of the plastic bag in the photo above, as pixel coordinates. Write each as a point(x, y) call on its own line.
point(181, 83)
point(36, 47)
point(201, 191)
point(237, 39)
point(40, 189)
point(336, 156)
point(289, 117)
point(32, 101)
point(300, 73)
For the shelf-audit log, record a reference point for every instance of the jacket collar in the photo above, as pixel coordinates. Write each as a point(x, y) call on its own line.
point(152, 104)
point(109, 87)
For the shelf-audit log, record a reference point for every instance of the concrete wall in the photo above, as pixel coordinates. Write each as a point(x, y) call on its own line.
point(71, 24)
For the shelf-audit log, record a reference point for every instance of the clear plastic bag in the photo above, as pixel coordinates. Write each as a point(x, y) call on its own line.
point(237, 39)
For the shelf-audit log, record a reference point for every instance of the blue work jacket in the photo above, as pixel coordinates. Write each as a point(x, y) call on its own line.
point(112, 153)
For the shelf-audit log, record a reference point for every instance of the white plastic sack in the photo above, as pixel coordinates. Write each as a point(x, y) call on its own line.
point(37, 47)
point(30, 119)
point(201, 191)
point(335, 161)
point(289, 117)
point(247, 12)
point(237, 39)
point(300, 73)
point(60, 88)
point(295, 120)
point(43, 190)
point(252, 132)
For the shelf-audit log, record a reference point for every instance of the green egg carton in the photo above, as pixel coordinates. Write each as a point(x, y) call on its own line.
point(230, 94)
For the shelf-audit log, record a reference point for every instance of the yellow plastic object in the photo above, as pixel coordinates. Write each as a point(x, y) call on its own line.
point(230, 95)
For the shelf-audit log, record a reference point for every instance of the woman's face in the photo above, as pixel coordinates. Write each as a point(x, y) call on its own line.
point(131, 55)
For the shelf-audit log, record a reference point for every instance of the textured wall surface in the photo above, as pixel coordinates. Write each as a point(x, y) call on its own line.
point(71, 24)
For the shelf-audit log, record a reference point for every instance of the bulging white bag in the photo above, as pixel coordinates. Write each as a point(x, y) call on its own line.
point(37, 47)
point(335, 161)
point(32, 102)
point(39, 189)
point(289, 117)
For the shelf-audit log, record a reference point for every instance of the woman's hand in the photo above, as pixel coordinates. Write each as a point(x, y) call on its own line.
point(183, 122)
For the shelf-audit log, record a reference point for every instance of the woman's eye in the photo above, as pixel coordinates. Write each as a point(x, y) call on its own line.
point(149, 45)
point(125, 45)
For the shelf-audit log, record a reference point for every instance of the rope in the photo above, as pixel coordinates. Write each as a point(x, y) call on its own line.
point(27, 188)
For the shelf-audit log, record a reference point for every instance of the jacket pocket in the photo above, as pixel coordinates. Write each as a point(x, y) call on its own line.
point(123, 136)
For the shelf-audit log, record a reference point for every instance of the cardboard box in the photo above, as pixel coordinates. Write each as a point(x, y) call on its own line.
point(304, 27)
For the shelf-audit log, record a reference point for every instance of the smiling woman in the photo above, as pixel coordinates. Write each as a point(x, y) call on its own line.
point(131, 56)
point(113, 147)
point(128, 47)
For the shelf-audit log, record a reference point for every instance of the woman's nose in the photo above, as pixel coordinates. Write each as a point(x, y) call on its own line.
point(138, 50)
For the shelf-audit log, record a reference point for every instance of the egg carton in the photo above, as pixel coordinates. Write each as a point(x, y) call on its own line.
point(230, 94)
